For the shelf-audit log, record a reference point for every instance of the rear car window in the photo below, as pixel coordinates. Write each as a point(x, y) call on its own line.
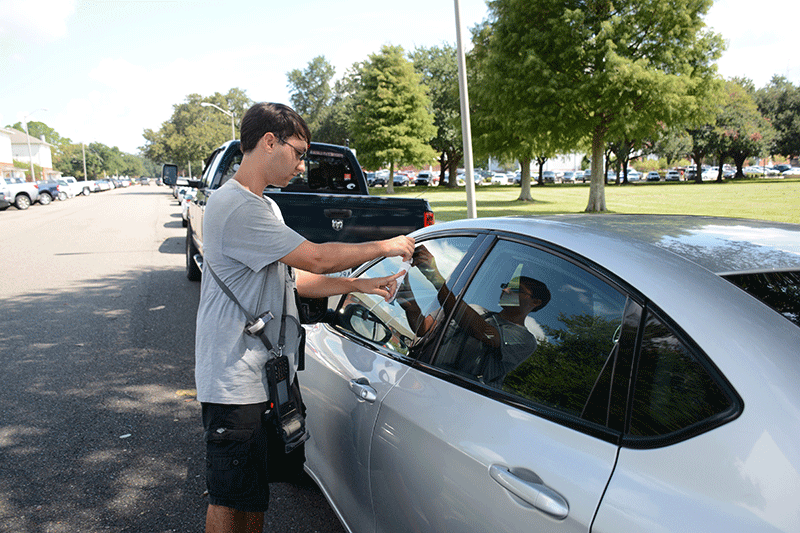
point(779, 290)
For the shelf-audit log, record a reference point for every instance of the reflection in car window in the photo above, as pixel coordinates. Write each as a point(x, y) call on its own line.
point(779, 290)
point(534, 325)
point(415, 292)
point(672, 390)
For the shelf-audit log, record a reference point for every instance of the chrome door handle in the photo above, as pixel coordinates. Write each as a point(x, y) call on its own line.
point(538, 495)
point(362, 389)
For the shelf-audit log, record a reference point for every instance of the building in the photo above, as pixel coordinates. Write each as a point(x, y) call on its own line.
point(14, 147)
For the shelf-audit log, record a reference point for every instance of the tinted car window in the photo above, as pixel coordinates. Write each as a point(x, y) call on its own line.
point(672, 390)
point(324, 172)
point(779, 290)
point(534, 325)
point(397, 324)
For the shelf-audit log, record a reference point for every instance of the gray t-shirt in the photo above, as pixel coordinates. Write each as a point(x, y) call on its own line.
point(244, 237)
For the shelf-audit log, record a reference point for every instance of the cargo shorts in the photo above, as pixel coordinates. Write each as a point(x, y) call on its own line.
point(236, 456)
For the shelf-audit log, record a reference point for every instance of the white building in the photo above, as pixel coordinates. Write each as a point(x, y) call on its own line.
point(18, 142)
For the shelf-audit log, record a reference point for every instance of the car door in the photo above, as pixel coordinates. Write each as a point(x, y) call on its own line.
point(349, 370)
point(509, 435)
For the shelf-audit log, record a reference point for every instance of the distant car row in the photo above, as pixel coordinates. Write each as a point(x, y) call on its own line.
point(426, 177)
point(22, 194)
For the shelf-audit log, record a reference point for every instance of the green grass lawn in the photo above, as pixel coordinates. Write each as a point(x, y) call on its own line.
point(765, 199)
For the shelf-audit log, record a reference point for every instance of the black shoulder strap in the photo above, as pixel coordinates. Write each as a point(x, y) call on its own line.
point(256, 325)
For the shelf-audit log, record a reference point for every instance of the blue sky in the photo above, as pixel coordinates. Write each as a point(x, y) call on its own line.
point(107, 69)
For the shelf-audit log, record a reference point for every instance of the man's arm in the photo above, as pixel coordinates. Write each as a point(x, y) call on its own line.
point(312, 285)
point(337, 256)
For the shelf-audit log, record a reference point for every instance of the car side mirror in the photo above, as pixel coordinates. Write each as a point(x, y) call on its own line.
point(365, 323)
point(169, 174)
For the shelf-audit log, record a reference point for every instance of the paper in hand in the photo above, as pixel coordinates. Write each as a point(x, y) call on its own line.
point(406, 265)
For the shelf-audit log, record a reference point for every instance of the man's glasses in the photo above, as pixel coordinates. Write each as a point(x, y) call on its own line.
point(300, 155)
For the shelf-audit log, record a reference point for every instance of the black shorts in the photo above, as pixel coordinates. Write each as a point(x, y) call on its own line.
point(236, 456)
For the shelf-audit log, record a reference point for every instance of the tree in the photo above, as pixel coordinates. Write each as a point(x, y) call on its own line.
point(439, 71)
point(392, 123)
point(335, 123)
point(601, 69)
point(498, 128)
point(779, 102)
point(310, 90)
point(743, 131)
point(193, 131)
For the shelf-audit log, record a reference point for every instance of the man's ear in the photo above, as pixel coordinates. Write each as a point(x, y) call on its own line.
point(269, 141)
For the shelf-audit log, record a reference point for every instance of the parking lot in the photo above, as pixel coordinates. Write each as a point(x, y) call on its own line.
point(99, 427)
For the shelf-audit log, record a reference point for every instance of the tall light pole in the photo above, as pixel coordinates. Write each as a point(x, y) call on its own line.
point(466, 132)
point(229, 113)
point(28, 139)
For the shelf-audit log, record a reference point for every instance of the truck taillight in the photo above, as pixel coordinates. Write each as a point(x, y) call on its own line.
point(429, 218)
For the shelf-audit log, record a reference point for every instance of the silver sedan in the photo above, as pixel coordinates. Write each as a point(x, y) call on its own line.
point(607, 373)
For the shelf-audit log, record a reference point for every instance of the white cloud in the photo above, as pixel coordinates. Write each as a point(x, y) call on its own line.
point(34, 21)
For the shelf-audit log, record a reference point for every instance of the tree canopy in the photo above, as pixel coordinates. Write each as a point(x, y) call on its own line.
point(194, 131)
point(392, 123)
point(600, 69)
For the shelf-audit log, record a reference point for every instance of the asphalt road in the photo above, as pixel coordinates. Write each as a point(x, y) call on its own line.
point(99, 426)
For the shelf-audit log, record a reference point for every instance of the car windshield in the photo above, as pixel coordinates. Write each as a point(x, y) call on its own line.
point(779, 290)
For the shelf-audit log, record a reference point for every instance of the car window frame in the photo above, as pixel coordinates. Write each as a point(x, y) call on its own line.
point(707, 424)
point(465, 279)
point(457, 275)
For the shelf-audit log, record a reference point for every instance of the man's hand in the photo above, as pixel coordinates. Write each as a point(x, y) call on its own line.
point(402, 246)
point(385, 286)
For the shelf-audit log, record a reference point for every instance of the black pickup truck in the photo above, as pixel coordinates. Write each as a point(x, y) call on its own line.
point(330, 201)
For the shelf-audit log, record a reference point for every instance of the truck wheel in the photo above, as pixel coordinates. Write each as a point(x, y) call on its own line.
point(86, 191)
point(45, 198)
point(62, 196)
point(22, 202)
point(192, 272)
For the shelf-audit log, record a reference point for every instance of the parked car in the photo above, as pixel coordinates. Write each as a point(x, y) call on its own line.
point(424, 178)
point(653, 176)
point(400, 180)
point(19, 192)
point(501, 178)
point(673, 175)
point(49, 191)
point(548, 176)
point(103, 185)
point(793, 171)
point(566, 373)
point(587, 175)
point(186, 198)
point(144, 180)
point(568, 177)
point(634, 175)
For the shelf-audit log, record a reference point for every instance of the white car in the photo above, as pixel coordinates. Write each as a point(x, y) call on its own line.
point(794, 171)
point(499, 178)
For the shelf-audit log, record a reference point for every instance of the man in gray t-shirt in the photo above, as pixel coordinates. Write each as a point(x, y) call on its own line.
point(262, 261)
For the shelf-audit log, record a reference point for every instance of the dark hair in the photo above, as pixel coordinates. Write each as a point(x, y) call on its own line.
point(538, 290)
point(266, 117)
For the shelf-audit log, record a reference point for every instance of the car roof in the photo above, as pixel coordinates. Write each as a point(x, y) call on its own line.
point(718, 244)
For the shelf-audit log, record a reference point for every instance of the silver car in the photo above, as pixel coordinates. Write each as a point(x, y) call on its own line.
point(606, 373)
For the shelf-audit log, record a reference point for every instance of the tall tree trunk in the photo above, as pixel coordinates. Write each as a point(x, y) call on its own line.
point(525, 180)
point(452, 172)
point(597, 191)
point(698, 172)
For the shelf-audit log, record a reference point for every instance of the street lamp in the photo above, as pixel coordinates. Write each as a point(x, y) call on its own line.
point(28, 139)
point(230, 114)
